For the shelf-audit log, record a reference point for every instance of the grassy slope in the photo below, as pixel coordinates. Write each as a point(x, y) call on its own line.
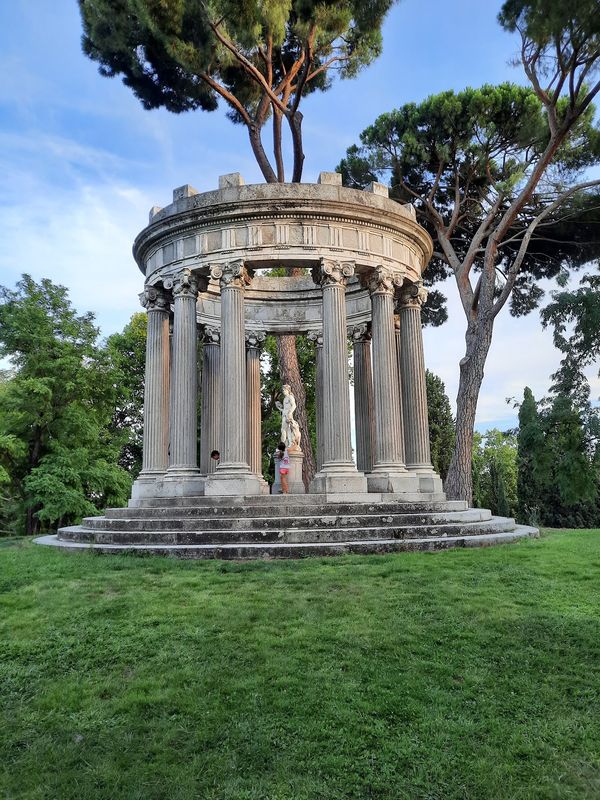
point(467, 674)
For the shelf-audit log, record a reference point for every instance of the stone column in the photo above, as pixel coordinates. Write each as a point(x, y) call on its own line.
point(338, 473)
point(233, 475)
point(211, 409)
point(363, 397)
point(156, 393)
point(317, 338)
point(183, 476)
point(389, 472)
point(414, 391)
point(254, 341)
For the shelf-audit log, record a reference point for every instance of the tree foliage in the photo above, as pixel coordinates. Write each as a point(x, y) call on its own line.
point(574, 315)
point(58, 458)
point(495, 472)
point(260, 58)
point(441, 423)
point(127, 352)
point(558, 462)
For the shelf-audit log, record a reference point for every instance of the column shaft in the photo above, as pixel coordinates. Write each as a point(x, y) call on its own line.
point(317, 338)
point(363, 398)
point(156, 387)
point(254, 437)
point(183, 434)
point(388, 429)
point(414, 391)
point(337, 446)
point(233, 476)
point(233, 368)
point(211, 407)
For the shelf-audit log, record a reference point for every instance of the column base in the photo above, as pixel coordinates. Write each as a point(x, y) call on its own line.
point(146, 485)
point(181, 482)
point(234, 480)
point(338, 479)
point(429, 480)
point(394, 481)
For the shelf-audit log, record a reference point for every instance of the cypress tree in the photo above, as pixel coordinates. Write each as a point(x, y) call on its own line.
point(531, 463)
point(441, 424)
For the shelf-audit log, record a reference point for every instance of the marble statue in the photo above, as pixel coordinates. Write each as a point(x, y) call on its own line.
point(290, 430)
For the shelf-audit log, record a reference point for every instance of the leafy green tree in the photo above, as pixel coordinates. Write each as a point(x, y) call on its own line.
point(127, 352)
point(259, 58)
point(495, 472)
point(441, 423)
point(490, 171)
point(55, 411)
point(558, 459)
point(571, 487)
point(575, 318)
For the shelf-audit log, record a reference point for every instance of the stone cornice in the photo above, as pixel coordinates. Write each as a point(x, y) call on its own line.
point(301, 204)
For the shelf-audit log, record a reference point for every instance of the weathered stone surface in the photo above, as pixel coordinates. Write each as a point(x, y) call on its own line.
point(289, 224)
point(167, 544)
point(229, 180)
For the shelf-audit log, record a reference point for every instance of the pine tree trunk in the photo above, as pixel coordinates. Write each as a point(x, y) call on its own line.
point(262, 160)
point(459, 482)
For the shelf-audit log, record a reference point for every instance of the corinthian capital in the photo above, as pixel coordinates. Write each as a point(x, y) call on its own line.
point(211, 335)
point(231, 274)
point(359, 333)
point(153, 298)
point(316, 337)
point(255, 339)
point(185, 284)
point(382, 280)
point(333, 273)
point(413, 296)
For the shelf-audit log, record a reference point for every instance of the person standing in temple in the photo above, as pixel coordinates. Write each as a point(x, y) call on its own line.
point(282, 463)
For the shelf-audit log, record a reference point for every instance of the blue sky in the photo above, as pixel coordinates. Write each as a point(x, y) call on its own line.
point(82, 163)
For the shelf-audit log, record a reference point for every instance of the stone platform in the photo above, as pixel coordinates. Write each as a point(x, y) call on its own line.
point(296, 526)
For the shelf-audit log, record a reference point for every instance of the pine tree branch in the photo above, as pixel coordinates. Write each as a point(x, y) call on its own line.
point(518, 260)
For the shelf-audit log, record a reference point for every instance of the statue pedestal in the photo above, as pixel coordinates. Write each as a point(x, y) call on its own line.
point(295, 483)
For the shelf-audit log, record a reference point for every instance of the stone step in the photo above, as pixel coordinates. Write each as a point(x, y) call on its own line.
point(274, 550)
point(173, 521)
point(290, 535)
point(290, 508)
point(422, 500)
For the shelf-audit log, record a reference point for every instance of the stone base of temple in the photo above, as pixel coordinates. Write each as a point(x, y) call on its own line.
point(338, 481)
point(429, 481)
point(393, 481)
point(145, 485)
point(234, 484)
point(259, 527)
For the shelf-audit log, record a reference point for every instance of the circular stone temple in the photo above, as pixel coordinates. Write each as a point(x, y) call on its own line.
point(363, 257)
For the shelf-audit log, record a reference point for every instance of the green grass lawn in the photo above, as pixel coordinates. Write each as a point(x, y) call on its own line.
point(465, 674)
